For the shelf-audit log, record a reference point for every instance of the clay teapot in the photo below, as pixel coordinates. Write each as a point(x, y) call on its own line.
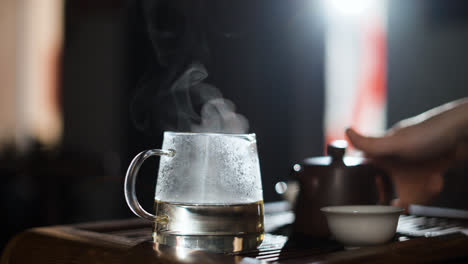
point(335, 180)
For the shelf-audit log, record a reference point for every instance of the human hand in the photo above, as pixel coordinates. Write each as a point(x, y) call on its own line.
point(417, 151)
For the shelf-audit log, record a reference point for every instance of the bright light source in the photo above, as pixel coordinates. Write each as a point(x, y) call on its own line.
point(348, 8)
point(355, 62)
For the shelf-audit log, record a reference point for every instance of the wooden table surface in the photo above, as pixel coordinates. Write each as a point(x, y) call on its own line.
point(129, 241)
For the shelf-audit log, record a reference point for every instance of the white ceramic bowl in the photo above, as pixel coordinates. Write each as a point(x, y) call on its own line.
point(362, 225)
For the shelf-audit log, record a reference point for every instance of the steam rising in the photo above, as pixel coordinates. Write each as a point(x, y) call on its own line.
point(217, 114)
point(174, 95)
point(186, 94)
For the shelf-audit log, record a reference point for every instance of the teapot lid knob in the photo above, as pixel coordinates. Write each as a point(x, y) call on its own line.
point(336, 149)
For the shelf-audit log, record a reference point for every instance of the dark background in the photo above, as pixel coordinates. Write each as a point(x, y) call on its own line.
point(265, 56)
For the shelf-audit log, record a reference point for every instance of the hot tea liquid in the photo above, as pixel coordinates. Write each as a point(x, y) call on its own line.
point(213, 227)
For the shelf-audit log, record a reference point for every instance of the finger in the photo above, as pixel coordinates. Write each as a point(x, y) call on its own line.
point(373, 146)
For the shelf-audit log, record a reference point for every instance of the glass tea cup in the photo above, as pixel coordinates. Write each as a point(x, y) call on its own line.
point(208, 192)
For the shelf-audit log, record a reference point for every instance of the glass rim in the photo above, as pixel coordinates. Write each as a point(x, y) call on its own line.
point(209, 134)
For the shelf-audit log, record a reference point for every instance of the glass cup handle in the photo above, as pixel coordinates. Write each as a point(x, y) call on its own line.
point(130, 180)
